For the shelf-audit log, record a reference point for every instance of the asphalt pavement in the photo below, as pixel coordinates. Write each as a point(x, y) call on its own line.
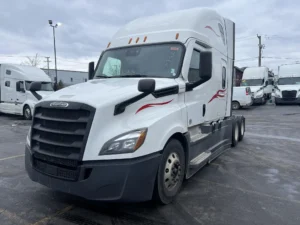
point(257, 182)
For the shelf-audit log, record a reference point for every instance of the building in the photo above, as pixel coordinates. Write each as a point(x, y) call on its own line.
point(67, 77)
point(238, 75)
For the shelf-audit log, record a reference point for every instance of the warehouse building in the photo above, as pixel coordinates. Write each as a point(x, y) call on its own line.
point(67, 77)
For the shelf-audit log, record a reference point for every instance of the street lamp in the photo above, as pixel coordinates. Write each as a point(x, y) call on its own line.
point(54, 26)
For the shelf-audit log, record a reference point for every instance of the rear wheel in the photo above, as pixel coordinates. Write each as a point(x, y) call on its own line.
point(236, 105)
point(170, 173)
point(241, 128)
point(27, 113)
point(235, 133)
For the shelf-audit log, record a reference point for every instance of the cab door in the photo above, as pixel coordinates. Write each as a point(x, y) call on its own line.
point(20, 97)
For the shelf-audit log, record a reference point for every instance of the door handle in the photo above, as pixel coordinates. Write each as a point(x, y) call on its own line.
point(203, 110)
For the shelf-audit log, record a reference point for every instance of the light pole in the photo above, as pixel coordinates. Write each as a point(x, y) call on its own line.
point(54, 26)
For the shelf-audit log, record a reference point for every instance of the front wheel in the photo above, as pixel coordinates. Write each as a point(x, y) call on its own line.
point(27, 113)
point(170, 173)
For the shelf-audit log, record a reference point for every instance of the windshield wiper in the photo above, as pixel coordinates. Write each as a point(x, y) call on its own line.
point(132, 75)
point(101, 76)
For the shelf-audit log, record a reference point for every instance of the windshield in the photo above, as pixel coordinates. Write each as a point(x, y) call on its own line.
point(288, 81)
point(252, 82)
point(159, 60)
point(46, 86)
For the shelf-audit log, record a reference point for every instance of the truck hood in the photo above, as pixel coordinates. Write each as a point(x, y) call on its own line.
point(44, 93)
point(289, 87)
point(254, 88)
point(100, 92)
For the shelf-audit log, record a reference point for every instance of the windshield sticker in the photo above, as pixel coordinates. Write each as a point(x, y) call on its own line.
point(174, 48)
point(173, 72)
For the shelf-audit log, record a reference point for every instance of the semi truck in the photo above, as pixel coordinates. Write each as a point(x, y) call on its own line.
point(15, 96)
point(257, 78)
point(287, 88)
point(157, 109)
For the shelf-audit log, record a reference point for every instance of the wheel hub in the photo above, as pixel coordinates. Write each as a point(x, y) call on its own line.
point(172, 171)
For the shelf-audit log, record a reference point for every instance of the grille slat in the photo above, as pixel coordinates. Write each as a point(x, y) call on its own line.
point(57, 131)
point(289, 94)
point(59, 137)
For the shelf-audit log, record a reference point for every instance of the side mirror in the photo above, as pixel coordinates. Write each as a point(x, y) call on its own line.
point(146, 86)
point(91, 70)
point(35, 86)
point(272, 82)
point(205, 66)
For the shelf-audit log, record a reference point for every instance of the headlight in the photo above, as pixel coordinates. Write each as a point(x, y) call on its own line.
point(28, 137)
point(277, 93)
point(259, 94)
point(125, 143)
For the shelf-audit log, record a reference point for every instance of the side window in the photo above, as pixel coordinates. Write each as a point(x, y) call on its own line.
point(194, 70)
point(7, 83)
point(222, 33)
point(20, 86)
point(8, 72)
point(112, 67)
point(223, 77)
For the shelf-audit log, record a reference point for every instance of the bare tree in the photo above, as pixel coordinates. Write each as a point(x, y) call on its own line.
point(32, 61)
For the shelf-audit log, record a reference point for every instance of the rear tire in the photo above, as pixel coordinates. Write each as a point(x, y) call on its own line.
point(235, 133)
point(170, 173)
point(242, 126)
point(27, 113)
point(236, 105)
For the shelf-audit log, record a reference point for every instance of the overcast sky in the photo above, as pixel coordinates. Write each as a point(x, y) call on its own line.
point(89, 24)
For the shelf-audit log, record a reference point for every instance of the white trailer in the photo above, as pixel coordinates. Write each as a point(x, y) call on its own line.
point(257, 79)
point(157, 110)
point(15, 80)
point(287, 88)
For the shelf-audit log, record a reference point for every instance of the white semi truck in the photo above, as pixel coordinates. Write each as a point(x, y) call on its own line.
point(15, 80)
point(287, 88)
point(257, 79)
point(157, 110)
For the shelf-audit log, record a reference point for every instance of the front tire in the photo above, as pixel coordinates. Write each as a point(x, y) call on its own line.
point(27, 113)
point(170, 173)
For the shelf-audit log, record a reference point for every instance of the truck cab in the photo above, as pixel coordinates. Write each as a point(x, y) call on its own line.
point(156, 111)
point(287, 88)
point(257, 79)
point(15, 96)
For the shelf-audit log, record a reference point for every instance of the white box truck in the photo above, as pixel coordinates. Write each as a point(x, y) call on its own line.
point(157, 110)
point(257, 79)
point(15, 96)
point(287, 88)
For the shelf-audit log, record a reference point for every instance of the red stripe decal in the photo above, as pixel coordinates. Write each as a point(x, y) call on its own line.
point(209, 27)
point(219, 94)
point(151, 105)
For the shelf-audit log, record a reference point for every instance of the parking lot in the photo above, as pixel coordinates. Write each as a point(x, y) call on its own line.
point(258, 182)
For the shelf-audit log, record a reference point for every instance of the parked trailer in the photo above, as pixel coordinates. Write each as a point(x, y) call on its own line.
point(15, 97)
point(157, 110)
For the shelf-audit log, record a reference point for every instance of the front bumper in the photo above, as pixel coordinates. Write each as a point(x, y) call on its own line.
point(128, 180)
point(258, 100)
point(287, 100)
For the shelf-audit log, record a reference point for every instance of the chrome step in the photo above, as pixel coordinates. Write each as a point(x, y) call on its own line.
point(200, 158)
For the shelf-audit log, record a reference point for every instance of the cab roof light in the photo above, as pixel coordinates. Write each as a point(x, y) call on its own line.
point(137, 40)
point(108, 45)
point(145, 38)
point(177, 36)
point(129, 42)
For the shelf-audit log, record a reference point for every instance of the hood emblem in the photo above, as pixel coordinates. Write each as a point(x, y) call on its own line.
point(59, 104)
